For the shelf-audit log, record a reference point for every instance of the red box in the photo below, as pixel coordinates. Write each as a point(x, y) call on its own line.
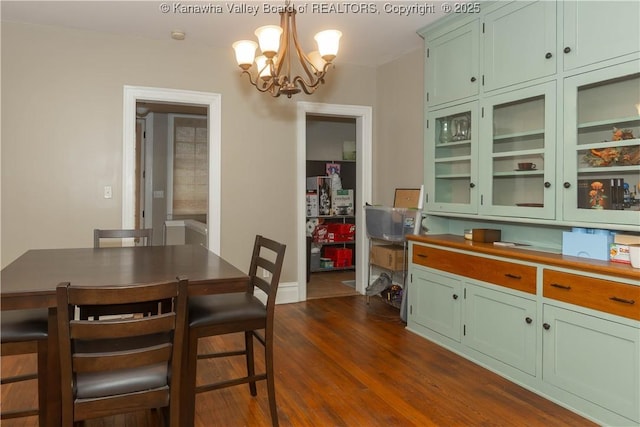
point(342, 257)
point(339, 228)
point(327, 233)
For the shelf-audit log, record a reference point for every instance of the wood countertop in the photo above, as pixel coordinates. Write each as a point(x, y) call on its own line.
point(583, 264)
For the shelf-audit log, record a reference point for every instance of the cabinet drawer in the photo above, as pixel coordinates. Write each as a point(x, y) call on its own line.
point(612, 297)
point(503, 273)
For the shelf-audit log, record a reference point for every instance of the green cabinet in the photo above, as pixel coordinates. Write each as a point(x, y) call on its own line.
point(451, 64)
point(549, 338)
point(601, 180)
point(517, 153)
point(555, 77)
point(495, 321)
point(452, 144)
point(501, 325)
point(596, 31)
point(435, 303)
point(519, 41)
point(593, 358)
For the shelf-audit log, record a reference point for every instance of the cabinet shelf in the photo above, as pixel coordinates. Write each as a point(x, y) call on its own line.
point(608, 144)
point(520, 173)
point(619, 122)
point(518, 153)
point(606, 169)
point(452, 159)
point(519, 135)
point(453, 143)
point(453, 176)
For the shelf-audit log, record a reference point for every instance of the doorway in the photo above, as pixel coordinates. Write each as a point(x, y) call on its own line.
point(362, 115)
point(209, 101)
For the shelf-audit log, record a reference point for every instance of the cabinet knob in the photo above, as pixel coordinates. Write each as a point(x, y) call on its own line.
point(547, 184)
point(528, 320)
point(455, 296)
point(567, 49)
point(546, 326)
point(548, 55)
point(566, 185)
point(472, 185)
point(473, 79)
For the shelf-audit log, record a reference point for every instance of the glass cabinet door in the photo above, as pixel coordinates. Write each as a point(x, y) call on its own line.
point(602, 146)
point(451, 159)
point(517, 156)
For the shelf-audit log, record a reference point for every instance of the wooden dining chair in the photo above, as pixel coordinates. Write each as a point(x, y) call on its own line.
point(143, 233)
point(119, 365)
point(26, 332)
point(234, 313)
point(87, 312)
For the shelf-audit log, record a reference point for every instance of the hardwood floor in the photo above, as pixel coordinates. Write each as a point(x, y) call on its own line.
point(341, 362)
point(329, 284)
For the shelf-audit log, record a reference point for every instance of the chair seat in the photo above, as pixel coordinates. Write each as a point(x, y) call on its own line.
point(225, 308)
point(101, 384)
point(23, 325)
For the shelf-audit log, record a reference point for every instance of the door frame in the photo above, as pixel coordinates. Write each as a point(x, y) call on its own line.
point(213, 102)
point(364, 147)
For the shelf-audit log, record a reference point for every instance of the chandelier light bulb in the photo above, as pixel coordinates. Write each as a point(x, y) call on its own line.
point(328, 43)
point(269, 39)
point(263, 67)
point(245, 53)
point(316, 60)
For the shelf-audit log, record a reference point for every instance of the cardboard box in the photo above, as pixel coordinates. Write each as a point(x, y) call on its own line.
point(342, 202)
point(619, 253)
point(486, 235)
point(390, 257)
point(312, 204)
point(627, 239)
point(321, 185)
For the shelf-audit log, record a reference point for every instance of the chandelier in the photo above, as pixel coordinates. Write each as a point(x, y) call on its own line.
point(273, 69)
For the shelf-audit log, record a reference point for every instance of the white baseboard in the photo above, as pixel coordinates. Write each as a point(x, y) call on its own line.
point(287, 293)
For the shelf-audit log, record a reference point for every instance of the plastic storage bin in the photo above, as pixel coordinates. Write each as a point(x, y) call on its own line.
point(392, 224)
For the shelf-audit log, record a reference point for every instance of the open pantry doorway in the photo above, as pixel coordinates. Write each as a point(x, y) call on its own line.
point(333, 138)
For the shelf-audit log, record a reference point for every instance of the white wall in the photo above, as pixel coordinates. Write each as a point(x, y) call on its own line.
point(398, 148)
point(61, 104)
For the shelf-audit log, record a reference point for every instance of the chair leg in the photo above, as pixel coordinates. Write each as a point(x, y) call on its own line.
point(188, 388)
point(43, 357)
point(248, 345)
point(271, 388)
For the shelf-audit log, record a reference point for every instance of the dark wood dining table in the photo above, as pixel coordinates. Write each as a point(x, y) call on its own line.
point(31, 280)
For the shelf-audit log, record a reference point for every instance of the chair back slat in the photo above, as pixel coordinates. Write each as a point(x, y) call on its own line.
point(118, 327)
point(142, 233)
point(110, 295)
point(117, 360)
point(268, 255)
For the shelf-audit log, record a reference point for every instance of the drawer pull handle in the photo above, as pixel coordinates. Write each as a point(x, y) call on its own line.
point(623, 300)
point(513, 276)
point(422, 255)
point(559, 286)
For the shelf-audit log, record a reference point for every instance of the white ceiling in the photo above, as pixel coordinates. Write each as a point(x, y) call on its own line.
point(370, 37)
